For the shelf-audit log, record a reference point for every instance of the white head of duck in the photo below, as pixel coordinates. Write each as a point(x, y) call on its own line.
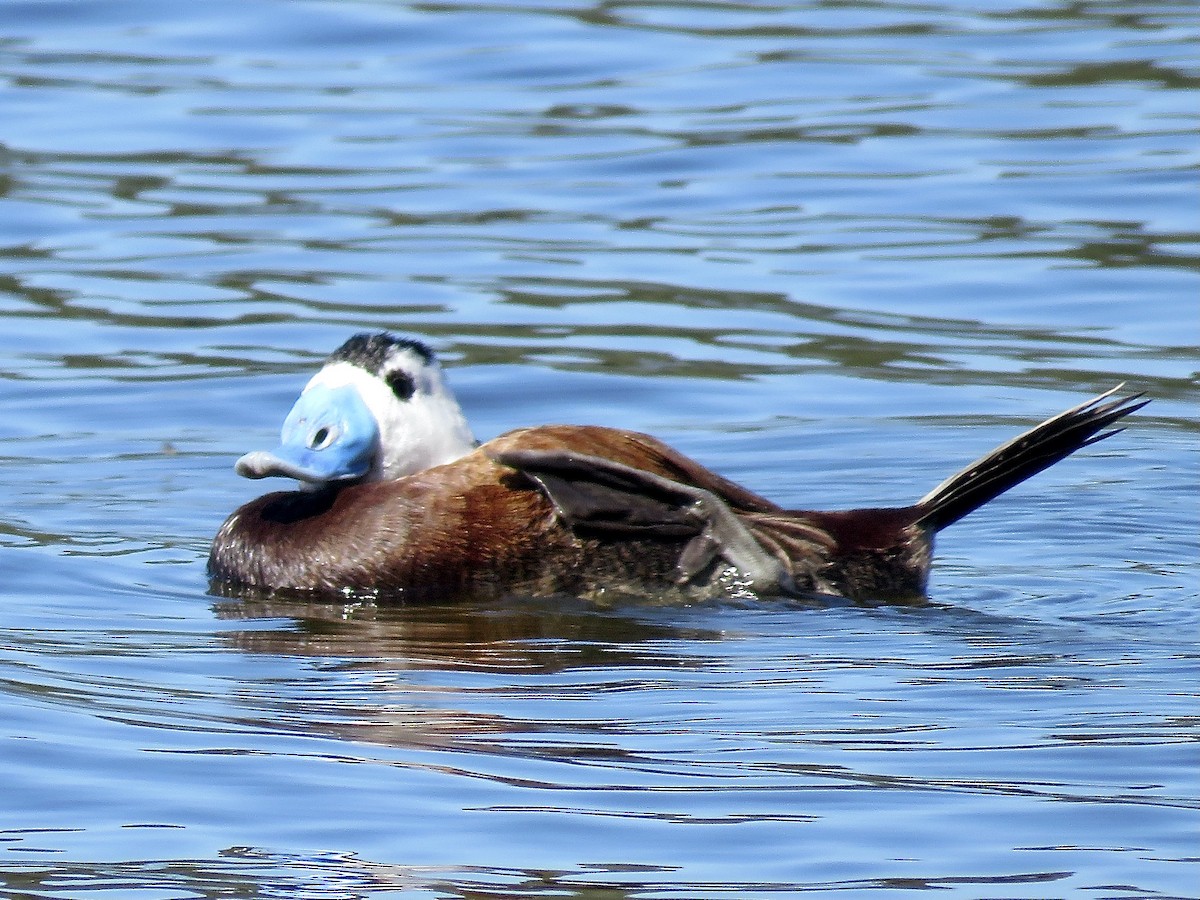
point(378, 409)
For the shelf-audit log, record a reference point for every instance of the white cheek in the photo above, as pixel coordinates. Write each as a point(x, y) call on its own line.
point(426, 430)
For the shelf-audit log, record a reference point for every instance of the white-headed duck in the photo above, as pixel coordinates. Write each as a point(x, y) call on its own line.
point(400, 502)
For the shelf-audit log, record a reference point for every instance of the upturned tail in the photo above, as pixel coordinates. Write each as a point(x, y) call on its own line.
point(1023, 457)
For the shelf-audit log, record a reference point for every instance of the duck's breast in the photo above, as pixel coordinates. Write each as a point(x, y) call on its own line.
point(462, 526)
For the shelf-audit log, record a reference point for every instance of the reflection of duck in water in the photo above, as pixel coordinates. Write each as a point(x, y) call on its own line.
point(400, 501)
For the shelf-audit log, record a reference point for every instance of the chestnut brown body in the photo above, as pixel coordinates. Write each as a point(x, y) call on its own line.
point(539, 511)
point(470, 527)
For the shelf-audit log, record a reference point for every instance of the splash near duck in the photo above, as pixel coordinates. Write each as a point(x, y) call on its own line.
point(399, 501)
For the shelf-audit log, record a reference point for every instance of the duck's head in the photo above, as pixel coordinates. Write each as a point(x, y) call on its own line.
point(378, 409)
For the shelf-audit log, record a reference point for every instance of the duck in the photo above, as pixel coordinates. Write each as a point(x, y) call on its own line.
point(397, 501)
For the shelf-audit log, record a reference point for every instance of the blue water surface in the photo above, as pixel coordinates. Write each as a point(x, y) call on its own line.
point(833, 250)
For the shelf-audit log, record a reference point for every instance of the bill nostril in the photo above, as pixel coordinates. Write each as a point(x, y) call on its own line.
point(320, 439)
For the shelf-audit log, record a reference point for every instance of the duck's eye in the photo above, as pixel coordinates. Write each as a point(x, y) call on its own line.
point(320, 438)
point(401, 384)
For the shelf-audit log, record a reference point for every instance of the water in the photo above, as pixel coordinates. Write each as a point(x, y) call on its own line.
point(833, 250)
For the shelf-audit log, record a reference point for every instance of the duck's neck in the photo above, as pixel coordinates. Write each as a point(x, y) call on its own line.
point(431, 434)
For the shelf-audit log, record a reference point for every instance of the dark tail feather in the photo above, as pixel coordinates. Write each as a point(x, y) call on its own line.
point(1024, 456)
